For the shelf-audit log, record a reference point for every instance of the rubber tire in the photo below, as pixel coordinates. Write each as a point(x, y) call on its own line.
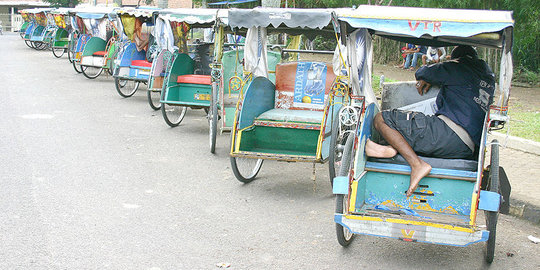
point(119, 88)
point(58, 55)
point(245, 178)
point(76, 66)
point(70, 59)
point(91, 76)
point(168, 120)
point(340, 198)
point(213, 119)
point(151, 96)
point(29, 44)
point(492, 217)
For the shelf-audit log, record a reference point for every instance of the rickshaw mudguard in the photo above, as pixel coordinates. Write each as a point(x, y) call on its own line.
point(93, 45)
point(331, 114)
point(258, 98)
point(182, 65)
point(61, 38)
point(364, 132)
point(129, 54)
point(412, 230)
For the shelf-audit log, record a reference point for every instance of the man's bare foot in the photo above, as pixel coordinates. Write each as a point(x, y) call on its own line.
point(418, 172)
point(379, 151)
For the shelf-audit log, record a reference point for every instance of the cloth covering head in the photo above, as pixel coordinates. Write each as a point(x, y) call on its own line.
point(464, 50)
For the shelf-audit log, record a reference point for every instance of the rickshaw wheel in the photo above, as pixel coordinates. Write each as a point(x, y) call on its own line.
point(70, 54)
point(29, 44)
point(76, 66)
point(245, 169)
point(126, 88)
point(213, 119)
point(492, 217)
point(91, 72)
point(344, 236)
point(173, 115)
point(154, 99)
point(58, 52)
point(336, 150)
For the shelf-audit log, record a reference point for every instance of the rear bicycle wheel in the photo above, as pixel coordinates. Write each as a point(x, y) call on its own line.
point(126, 88)
point(173, 115)
point(58, 52)
point(154, 99)
point(245, 169)
point(344, 235)
point(492, 217)
point(91, 72)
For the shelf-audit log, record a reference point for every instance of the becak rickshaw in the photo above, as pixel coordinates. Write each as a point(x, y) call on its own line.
point(27, 22)
point(36, 33)
point(162, 54)
point(132, 65)
point(99, 49)
point(187, 80)
point(291, 119)
point(60, 40)
point(91, 27)
point(377, 196)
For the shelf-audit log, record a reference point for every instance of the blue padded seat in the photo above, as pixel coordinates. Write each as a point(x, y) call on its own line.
point(297, 116)
point(441, 163)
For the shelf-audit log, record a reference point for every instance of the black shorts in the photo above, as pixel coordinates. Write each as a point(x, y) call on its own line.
point(427, 135)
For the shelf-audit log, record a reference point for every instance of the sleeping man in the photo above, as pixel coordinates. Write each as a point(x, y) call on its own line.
point(467, 87)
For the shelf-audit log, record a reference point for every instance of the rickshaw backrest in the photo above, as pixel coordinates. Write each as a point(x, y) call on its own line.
point(303, 85)
point(403, 95)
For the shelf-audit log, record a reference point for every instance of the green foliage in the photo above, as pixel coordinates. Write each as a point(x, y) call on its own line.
point(526, 14)
point(63, 3)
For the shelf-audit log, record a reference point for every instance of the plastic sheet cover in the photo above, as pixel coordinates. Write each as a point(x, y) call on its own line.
point(255, 52)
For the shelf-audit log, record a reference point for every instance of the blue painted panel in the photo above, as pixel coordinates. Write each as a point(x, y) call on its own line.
point(333, 111)
point(364, 133)
point(130, 53)
point(441, 195)
point(30, 29)
point(258, 98)
point(489, 201)
point(341, 185)
point(407, 169)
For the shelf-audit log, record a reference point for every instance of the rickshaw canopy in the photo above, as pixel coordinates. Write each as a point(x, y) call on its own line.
point(200, 17)
point(430, 26)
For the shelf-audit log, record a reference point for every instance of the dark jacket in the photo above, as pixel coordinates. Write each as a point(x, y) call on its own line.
point(467, 87)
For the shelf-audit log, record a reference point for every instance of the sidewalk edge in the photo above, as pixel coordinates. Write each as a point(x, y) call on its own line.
point(517, 143)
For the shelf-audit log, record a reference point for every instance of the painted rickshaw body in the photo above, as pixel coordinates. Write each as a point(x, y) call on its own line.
point(292, 118)
point(445, 207)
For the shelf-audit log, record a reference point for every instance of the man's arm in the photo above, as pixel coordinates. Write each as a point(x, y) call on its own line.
point(434, 74)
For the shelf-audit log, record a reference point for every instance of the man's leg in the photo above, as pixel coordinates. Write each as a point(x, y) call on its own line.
point(419, 168)
point(415, 59)
point(408, 61)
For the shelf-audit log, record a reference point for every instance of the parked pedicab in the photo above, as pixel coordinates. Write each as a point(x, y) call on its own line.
point(163, 48)
point(131, 65)
point(95, 49)
point(292, 119)
point(370, 192)
point(60, 40)
point(27, 22)
point(37, 33)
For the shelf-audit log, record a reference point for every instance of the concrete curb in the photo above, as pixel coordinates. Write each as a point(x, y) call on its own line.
point(525, 211)
point(519, 208)
point(517, 143)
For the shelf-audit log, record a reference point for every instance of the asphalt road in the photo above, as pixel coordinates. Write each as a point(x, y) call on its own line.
point(90, 180)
